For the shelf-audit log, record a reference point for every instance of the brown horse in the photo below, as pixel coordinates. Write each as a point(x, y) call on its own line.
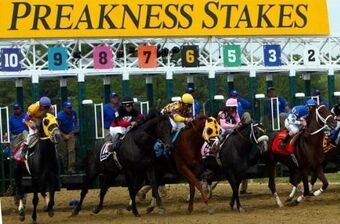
point(188, 159)
point(308, 153)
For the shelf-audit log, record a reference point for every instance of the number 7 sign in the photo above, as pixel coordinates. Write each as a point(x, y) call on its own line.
point(147, 56)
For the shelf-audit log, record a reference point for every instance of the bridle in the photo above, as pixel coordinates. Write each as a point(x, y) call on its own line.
point(252, 135)
point(322, 119)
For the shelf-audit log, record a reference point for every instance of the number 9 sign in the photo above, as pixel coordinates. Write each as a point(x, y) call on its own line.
point(10, 59)
point(189, 55)
point(57, 58)
point(102, 57)
point(147, 56)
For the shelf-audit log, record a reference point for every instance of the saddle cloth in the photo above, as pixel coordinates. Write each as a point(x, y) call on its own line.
point(105, 152)
point(276, 144)
point(17, 151)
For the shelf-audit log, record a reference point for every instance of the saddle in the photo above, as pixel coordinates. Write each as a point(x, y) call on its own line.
point(289, 148)
point(17, 150)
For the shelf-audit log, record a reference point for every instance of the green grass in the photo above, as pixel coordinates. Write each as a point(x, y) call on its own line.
point(331, 177)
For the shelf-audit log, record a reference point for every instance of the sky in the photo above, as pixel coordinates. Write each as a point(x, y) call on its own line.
point(334, 16)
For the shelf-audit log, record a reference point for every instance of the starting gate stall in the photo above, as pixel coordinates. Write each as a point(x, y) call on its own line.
point(6, 168)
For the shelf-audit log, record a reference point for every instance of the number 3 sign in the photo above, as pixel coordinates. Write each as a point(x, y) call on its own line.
point(102, 57)
point(10, 59)
point(147, 56)
point(272, 55)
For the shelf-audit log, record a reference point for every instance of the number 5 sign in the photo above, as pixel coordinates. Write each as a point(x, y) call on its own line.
point(232, 55)
point(147, 56)
point(102, 57)
point(10, 59)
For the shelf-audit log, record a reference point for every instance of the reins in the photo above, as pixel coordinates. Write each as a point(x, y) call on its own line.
point(323, 120)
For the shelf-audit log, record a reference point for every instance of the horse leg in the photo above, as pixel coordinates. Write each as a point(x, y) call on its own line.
point(191, 198)
point(35, 202)
point(133, 181)
point(272, 185)
point(50, 205)
point(313, 179)
point(91, 174)
point(46, 199)
point(155, 193)
point(186, 172)
point(103, 190)
point(320, 174)
point(19, 192)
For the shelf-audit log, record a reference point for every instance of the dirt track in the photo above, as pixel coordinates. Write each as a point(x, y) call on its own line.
point(259, 205)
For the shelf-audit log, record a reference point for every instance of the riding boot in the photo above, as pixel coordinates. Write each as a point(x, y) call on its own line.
point(284, 141)
point(24, 151)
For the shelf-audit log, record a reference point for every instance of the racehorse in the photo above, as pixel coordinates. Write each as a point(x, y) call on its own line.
point(234, 155)
point(308, 155)
point(188, 159)
point(43, 166)
point(135, 159)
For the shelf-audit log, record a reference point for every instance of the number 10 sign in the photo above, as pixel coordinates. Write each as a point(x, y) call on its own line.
point(10, 59)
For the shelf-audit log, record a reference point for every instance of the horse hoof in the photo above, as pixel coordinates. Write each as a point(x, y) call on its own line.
point(136, 214)
point(288, 200)
point(34, 222)
point(211, 211)
point(161, 211)
point(97, 209)
point(75, 211)
point(21, 215)
point(241, 210)
point(45, 209)
point(50, 213)
point(149, 209)
point(129, 207)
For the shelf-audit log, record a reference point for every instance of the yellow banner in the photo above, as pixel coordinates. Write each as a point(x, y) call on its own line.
point(161, 18)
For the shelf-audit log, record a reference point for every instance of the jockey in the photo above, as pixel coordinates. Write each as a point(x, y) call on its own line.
point(180, 112)
point(334, 139)
point(229, 117)
point(295, 120)
point(126, 118)
point(35, 113)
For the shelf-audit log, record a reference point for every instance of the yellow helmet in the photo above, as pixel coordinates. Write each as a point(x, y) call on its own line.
point(187, 98)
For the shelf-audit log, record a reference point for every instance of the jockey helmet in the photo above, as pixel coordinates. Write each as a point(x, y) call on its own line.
point(316, 92)
point(190, 90)
point(187, 98)
point(233, 93)
point(127, 100)
point(45, 101)
point(231, 102)
point(311, 102)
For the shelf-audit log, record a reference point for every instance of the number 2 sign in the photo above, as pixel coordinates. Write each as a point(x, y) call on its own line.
point(311, 56)
point(10, 59)
point(147, 56)
point(102, 57)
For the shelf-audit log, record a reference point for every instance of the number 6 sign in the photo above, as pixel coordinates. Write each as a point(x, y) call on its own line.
point(10, 59)
point(102, 57)
point(189, 55)
point(147, 56)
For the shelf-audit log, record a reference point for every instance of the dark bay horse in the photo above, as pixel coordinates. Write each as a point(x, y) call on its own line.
point(136, 158)
point(235, 155)
point(308, 153)
point(43, 165)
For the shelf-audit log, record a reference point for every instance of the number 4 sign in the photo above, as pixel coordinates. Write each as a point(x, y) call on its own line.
point(147, 56)
point(10, 59)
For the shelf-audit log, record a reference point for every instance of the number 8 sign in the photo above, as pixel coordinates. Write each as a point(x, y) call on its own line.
point(147, 56)
point(10, 59)
point(102, 57)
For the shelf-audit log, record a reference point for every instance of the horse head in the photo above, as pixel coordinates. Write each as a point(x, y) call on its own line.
point(163, 131)
point(211, 130)
point(319, 119)
point(257, 134)
point(51, 128)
